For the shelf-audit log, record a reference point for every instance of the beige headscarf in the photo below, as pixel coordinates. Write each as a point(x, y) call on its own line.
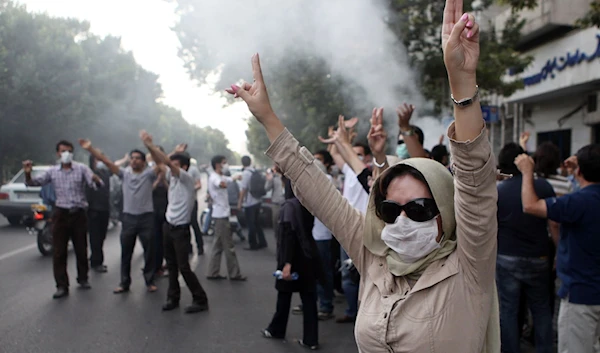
point(441, 184)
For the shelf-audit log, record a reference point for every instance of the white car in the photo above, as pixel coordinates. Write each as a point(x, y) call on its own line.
point(16, 198)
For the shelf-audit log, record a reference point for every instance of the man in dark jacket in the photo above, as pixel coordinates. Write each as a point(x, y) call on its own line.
point(98, 214)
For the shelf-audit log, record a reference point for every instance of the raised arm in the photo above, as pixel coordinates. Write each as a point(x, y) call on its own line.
point(121, 162)
point(159, 156)
point(341, 139)
point(87, 145)
point(532, 204)
point(311, 185)
point(42, 180)
point(413, 145)
point(377, 138)
point(474, 166)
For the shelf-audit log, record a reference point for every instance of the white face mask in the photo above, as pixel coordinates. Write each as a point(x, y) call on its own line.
point(101, 166)
point(151, 164)
point(411, 240)
point(66, 157)
point(225, 168)
point(362, 158)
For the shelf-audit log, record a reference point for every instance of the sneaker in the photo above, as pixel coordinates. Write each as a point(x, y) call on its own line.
point(196, 307)
point(325, 316)
point(312, 348)
point(297, 310)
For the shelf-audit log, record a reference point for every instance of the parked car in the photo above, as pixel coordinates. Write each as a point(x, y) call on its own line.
point(16, 198)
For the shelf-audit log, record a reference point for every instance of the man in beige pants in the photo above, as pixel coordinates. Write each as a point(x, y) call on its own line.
point(217, 189)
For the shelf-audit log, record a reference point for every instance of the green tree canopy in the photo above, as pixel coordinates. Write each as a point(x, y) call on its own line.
point(60, 81)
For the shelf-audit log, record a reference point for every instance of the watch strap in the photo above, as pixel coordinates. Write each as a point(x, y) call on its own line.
point(466, 101)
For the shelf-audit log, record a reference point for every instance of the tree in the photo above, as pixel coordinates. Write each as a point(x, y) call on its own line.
point(308, 96)
point(60, 81)
point(417, 23)
point(592, 18)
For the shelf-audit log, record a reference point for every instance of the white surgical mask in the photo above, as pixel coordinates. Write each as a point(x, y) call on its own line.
point(225, 168)
point(151, 164)
point(66, 157)
point(411, 240)
point(101, 166)
point(362, 158)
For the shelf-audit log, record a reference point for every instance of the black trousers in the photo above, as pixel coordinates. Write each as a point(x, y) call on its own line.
point(177, 242)
point(132, 227)
point(196, 227)
point(69, 225)
point(278, 325)
point(256, 236)
point(97, 228)
point(159, 239)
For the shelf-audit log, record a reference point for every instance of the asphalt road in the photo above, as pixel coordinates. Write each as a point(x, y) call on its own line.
point(98, 321)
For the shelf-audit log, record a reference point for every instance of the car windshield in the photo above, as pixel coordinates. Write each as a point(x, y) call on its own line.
point(20, 178)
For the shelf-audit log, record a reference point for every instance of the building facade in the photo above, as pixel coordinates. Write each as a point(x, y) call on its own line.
point(559, 102)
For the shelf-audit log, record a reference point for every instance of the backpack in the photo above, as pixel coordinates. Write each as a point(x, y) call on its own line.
point(257, 185)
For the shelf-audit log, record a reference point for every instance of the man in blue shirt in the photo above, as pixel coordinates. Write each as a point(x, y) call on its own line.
point(578, 256)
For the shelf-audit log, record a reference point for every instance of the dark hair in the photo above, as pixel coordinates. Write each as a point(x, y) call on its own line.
point(64, 143)
point(438, 153)
point(507, 156)
point(287, 187)
point(419, 134)
point(588, 159)
point(365, 147)
point(246, 161)
point(216, 160)
point(381, 184)
point(547, 159)
point(182, 158)
point(138, 151)
point(327, 158)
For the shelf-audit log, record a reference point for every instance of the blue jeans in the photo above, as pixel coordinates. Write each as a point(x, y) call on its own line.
point(530, 275)
point(325, 292)
point(350, 288)
point(207, 220)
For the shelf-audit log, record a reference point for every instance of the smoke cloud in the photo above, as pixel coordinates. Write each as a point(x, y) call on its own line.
point(352, 36)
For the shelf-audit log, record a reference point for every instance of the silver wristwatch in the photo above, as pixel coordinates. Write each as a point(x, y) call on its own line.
point(467, 101)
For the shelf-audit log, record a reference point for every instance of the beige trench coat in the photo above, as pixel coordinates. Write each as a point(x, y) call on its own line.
point(448, 308)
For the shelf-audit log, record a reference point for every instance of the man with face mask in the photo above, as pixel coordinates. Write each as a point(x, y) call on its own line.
point(410, 138)
point(98, 214)
point(70, 221)
point(177, 227)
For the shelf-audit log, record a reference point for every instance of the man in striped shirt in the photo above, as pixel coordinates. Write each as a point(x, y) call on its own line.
point(70, 221)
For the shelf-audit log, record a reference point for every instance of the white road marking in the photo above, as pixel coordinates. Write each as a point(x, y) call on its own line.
point(17, 251)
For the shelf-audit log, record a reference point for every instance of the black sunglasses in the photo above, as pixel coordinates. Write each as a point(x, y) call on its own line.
point(419, 210)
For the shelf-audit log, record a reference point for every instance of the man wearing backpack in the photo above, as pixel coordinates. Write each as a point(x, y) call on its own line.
point(253, 189)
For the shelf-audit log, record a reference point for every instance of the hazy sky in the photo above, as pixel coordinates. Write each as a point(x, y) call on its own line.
point(144, 26)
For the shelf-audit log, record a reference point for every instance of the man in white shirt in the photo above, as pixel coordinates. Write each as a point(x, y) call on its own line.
point(177, 227)
point(357, 197)
point(217, 189)
point(323, 238)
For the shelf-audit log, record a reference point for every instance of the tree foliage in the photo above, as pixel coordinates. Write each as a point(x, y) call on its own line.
point(418, 24)
point(60, 81)
point(309, 98)
point(592, 18)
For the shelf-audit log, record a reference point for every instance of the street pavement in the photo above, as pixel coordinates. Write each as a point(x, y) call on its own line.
point(97, 320)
